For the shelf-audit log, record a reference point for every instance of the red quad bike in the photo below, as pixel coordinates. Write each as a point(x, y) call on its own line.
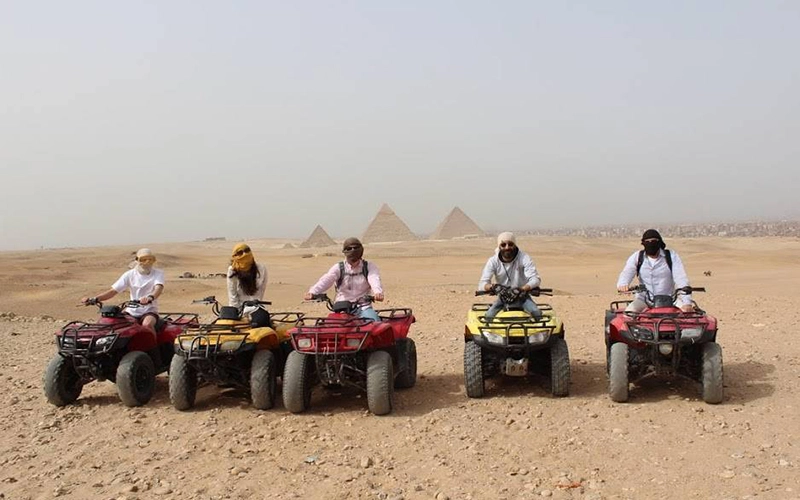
point(343, 349)
point(662, 340)
point(116, 348)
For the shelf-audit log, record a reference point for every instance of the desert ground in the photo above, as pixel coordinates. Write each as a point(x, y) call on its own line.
point(516, 443)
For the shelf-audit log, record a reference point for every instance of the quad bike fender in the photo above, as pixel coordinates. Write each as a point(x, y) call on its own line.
point(143, 340)
point(382, 335)
point(265, 337)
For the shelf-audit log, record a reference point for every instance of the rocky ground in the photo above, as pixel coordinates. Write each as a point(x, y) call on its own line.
point(518, 442)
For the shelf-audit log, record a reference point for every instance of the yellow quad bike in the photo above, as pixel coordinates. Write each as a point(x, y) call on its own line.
point(248, 353)
point(514, 344)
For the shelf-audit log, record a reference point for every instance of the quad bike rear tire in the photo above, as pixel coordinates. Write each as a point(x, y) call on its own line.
point(263, 380)
point(618, 372)
point(136, 378)
point(712, 379)
point(473, 370)
point(62, 384)
point(297, 382)
point(407, 360)
point(559, 368)
point(182, 383)
point(380, 382)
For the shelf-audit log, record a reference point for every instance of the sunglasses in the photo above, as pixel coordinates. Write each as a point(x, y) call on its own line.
point(239, 253)
point(650, 240)
point(507, 244)
point(351, 248)
point(146, 259)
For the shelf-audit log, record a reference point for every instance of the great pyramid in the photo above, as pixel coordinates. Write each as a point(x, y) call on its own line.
point(456, 225)
point(318, 238)
point(387, 226)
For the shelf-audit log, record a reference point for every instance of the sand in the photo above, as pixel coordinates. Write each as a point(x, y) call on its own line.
point(518, 442)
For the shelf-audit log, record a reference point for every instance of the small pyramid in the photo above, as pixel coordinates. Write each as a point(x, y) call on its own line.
point(457, 224)
point(387, 226)
point(288, 245)
point(318, 238)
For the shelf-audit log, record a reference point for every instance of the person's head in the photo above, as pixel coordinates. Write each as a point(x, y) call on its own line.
point(145, 260)
point(652, 242)
point(507, 246)
point(242, 258)
point(353, 250)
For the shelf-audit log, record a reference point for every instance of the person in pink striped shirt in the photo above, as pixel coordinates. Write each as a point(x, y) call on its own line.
point(354, 279)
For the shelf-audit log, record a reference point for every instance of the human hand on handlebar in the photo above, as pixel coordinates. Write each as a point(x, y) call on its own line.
point(378, 297)
point(687, 308)
point(308, 296)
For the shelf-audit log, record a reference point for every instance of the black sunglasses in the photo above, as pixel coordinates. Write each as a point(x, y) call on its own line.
point(351, 248)
point(241, 252)
point(507, 244)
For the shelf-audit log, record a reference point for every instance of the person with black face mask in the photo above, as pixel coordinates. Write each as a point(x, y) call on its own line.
point(511, 267)
point(353, 278)
point(659, 269)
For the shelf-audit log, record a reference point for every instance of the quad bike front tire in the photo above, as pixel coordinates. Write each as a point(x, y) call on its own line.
point(618, 372)
point(380, 382)
point(711, 378)
point(473, 370)
point(263, 380)
point(62, 384)
point(407, 360)
point(297, 382)
point(182, 383)
point(559, 368)
point(136, 378)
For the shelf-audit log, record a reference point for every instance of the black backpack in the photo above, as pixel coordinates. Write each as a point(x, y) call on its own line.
point(667, 255)
point(365, 271)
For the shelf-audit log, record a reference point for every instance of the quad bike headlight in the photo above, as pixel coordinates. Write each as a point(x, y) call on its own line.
point(641, 332)
point(493, 338)
point(691, 333)
point(230, 345)
point(104, 341)
point(304, 343)
point(352, 342)
point(537, 338)
point(665, 349)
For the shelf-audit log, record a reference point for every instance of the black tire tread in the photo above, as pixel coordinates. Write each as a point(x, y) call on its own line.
point(297, 382)
point(618, 388)
point(126, 375)
point(182, 383)
point(473, 370)
point(559, 368)
point(57, 387)
point(380, 383)
point(263, 380)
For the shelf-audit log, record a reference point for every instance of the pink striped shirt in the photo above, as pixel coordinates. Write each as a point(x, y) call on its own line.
point(354, 286)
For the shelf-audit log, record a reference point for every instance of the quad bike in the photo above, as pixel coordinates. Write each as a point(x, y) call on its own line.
point(345, 350)
point(232, 350)
point(514, 344)
point(116, 348)
point(662, 340)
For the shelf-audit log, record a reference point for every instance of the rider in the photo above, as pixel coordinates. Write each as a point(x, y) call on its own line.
point(145, 284)
point(513, 268)
point(660, 270)
point(352, 279)
point(247, 280)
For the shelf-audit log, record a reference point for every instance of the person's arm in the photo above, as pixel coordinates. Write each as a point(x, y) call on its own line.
point(233, 289)
point(261, 286)
point(374, 279)
point(101, 297)
point(158, 289)
point(531, 274)
point(628, 273)
point(486, 276)
point(325, 282)
point(680, 278)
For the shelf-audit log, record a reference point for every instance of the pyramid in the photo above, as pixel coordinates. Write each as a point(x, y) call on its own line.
point(387, 226)
point(457, 224)
point(318, 238)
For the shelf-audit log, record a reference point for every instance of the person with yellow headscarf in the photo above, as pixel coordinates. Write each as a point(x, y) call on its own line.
point(247, 279)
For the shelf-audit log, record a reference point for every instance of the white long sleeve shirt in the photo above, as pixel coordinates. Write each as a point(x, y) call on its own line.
point(520, 271)
point(656, 276)
point(235, 293)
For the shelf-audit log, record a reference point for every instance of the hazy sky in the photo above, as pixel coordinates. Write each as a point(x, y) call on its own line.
point(126, 122)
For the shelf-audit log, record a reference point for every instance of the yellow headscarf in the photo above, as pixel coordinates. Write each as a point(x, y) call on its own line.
point(242, 258)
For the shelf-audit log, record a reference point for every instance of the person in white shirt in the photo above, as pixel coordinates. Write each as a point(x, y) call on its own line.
point(659, 269)
point(511, 267)
point(145, 284)
point(247, 279)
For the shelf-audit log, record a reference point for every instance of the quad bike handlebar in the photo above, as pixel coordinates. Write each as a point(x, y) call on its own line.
point(133, 304)
point(664, 300)
point(212, 300)
point(323, 297)
point(512, 294)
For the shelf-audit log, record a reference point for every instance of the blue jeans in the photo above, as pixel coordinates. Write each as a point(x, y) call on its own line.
point(368, 313)
point(527, 304)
